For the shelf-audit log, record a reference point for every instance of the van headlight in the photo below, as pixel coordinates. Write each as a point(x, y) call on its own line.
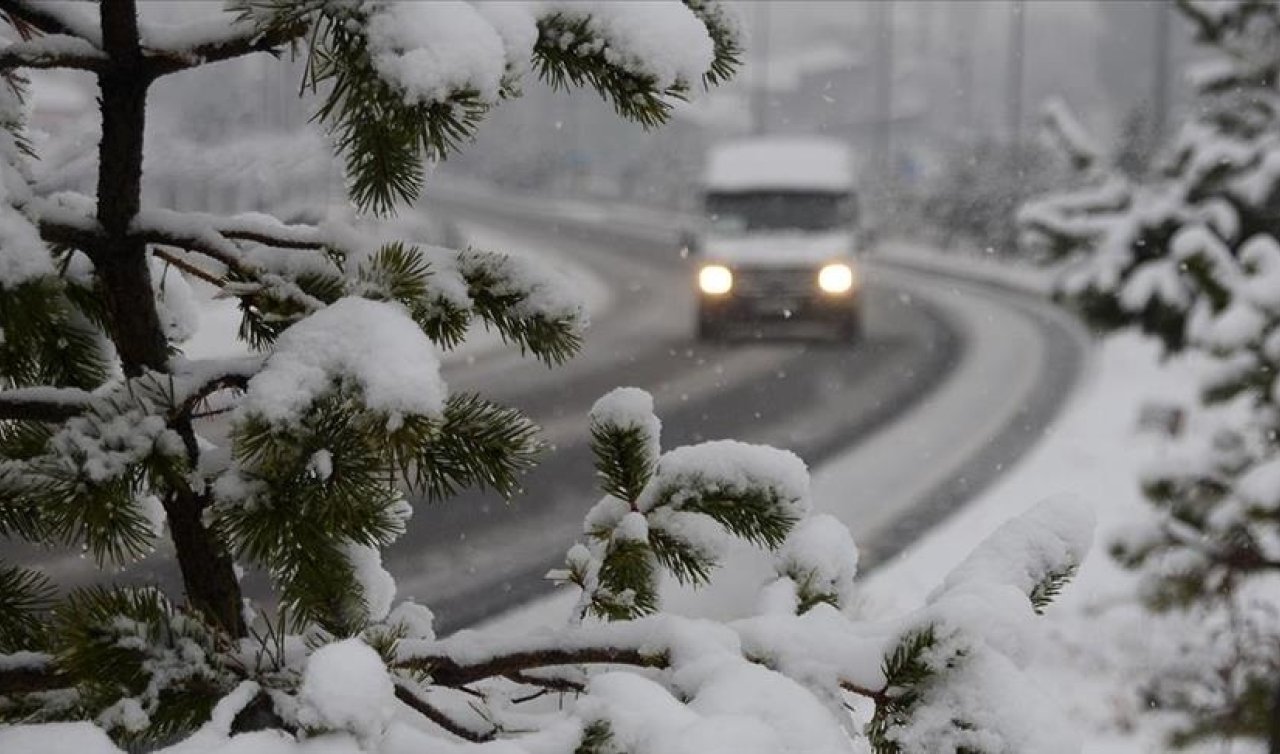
point(836, 278)
point(715, 279)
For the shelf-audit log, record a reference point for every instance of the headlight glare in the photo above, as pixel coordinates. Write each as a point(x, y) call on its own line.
point(836, 278)
point(715, 279)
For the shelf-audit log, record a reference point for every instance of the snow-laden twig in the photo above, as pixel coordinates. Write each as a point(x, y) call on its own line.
point(46, 404)
point(53, 51)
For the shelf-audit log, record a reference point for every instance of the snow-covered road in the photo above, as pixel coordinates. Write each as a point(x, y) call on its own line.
point(953, 382)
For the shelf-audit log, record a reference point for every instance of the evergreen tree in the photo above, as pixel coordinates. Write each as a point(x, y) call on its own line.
point(342, 411)
point(1191, 256)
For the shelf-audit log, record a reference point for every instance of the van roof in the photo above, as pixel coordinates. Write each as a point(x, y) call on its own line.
point(780, 162)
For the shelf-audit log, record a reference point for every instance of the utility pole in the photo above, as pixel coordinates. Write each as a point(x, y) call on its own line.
point(760, 82)
point(1017, 68)
point(1160, 84)
point(882, 27)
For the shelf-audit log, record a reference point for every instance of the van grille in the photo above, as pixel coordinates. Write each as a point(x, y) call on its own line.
point(790, 281)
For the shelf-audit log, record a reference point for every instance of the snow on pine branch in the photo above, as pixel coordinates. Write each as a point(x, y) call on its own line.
point(676, 511)
point(432, 71)
point(790, 672)
point(375, 346)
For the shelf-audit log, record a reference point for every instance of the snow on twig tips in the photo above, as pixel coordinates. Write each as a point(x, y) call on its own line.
point(674, 511)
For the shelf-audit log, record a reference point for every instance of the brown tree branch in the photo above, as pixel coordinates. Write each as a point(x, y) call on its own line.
point(53, 405)
point(34, 55)
point(547, 683)
point(163, 62)
point(437, 716)
point(445, 671)
point(189, 268)
point(31, 679)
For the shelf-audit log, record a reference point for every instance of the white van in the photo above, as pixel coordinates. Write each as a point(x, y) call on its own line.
point(779, 236)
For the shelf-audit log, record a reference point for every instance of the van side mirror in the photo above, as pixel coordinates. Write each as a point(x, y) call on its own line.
point(690, 244)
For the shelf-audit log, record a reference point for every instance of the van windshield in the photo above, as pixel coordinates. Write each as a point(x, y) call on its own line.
point(748, 211)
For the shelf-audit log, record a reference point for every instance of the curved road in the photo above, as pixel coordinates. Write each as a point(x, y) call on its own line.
point(952, 381)
point(985, 368)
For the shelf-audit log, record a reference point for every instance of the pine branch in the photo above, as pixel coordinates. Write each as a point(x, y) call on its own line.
point(478, 444)
point(437, 716)
point(72, 235)
point(446, 671)
point(52, 405)
point(194, 271)
point(250, 41)
point(623, 461)
point(25, 597)
point(33, 678)
point(634, 96)
point(1047, 589)
point(44, 18)
point(72, 52)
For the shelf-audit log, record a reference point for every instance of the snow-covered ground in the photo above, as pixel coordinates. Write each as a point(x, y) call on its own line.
point(1101, 642)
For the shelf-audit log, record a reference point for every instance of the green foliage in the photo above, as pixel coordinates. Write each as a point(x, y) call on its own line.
point(25, 596)
point(563, 35)
point(1048, 588)
point(623, 461)
point(298, 498)
point(132, 644)
point(85, 483)
point(295, 514)
point(597, 738)
point(502, 300)
point(385, 139)
point(906, 672)
point(478, 444)
point(47, 340)
point(643, 525)
point(629, 576)
point(397, 272)
point(725, 36)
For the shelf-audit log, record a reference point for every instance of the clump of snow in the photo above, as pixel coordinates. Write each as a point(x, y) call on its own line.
point(126, 714)
point(417, 620)
point(56, 738)
point(374, 344)
point(632, 528)
point(346, 687)
point(518, 27)
point(820, 557)
point(629, 408)
point(542, 289)
point(321, 464)
point(729, 466)
point(661, 40)
point(1052, 537)
point(377, 587)
point(434, 50)
point(175, 302)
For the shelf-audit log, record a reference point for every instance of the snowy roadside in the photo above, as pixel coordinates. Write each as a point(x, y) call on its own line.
point(1101, 642)
point(969, 265)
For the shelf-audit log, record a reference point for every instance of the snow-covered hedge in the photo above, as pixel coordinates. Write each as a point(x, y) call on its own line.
point(1191, 257)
